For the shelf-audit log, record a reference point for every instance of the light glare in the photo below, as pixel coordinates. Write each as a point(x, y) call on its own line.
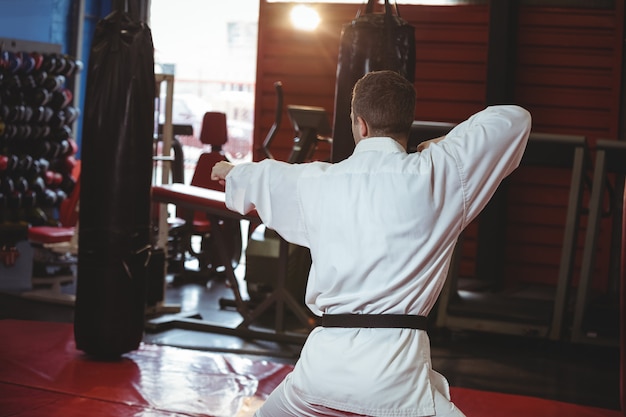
point(304, 17)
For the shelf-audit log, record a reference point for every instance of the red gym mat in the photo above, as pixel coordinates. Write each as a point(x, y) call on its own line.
point(43, 375)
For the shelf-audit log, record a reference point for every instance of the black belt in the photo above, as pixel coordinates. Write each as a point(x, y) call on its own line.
point(396, 321)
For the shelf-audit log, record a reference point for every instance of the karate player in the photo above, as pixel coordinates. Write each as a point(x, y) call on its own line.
point(381, 226)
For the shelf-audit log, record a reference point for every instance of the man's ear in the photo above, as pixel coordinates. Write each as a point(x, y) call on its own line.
point(362, 126)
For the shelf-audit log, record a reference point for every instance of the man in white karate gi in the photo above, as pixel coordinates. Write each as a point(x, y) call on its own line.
point(381, 226)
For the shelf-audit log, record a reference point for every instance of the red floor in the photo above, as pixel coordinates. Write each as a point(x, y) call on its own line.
point(42, 374)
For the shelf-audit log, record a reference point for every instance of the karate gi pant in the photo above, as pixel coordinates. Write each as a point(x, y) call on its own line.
point(282, 402)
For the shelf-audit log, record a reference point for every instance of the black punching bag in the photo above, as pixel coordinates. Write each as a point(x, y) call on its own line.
point(371, 42)
point(114, 217)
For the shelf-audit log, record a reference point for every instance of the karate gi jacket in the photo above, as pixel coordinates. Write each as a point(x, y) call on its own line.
point(381, 227)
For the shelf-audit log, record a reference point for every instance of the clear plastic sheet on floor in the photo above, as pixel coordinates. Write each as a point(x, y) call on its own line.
point(42, 373)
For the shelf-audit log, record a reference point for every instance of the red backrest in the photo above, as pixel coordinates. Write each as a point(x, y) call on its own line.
point(202, 174)
point(214, 131)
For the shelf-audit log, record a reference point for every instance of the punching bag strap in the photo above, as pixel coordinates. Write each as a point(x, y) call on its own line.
point(369, 8)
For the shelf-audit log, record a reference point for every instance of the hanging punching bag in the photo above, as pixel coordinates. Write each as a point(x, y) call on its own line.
point(371, 42)
point(114, 216)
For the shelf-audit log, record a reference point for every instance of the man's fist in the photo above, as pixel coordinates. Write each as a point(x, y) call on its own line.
point(220, 171)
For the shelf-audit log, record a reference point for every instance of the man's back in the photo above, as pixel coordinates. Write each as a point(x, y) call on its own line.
point(382, 224)
point(379, 225)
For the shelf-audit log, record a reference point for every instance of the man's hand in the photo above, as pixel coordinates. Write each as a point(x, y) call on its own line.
point(220, 171)
point(427, 143)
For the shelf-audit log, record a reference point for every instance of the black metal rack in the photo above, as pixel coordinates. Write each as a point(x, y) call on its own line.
point(483, 308)
point(610, 160)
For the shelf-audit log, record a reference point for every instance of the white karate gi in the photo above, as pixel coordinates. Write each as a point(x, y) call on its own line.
point(381, 226)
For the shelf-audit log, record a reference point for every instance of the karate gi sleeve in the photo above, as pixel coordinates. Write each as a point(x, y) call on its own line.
point(270, 187)
point(487, 148)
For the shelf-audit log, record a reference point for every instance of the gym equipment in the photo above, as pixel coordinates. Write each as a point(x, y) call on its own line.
point(56, 246)
point(278, 117)
point(371, 42)
point(476, 304)
point(594, 314)
point(212, 203)
point(424, 130)
point(311, 125)
point(115, 229)
point(276, 271)
point(214, 133)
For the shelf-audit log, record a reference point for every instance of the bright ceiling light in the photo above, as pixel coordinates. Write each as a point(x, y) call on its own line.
point(304, 17)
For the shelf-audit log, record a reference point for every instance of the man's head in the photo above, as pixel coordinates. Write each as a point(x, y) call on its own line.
point(383, 104)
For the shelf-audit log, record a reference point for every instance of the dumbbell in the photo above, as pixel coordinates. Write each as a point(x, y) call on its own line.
point(70, 163)
point(38, 114)
point(39, 132)
point(53, 83)
point(61, 133)
point(38, 59)
point(38, 185)
point(61, 98)
point(28, 62)
point(8, 132)
point(28, 81)
point(53, 179)
point(61, 195)
point(48, 198)
point(24, 165)
point(23, 131)
point(72, 66)
point(12, 162)
point(4, 163)
point(73, 147)
point(68, 147)
point(39, 77)
point(12, 82)
point(38, 97)
point(71, 114)
point(61, 63)
point(47, 114)
point(11, 61)
point(58, 119)
point(49, 63)
point(20, 184)
point(27, 115)
point(12, 113)
point(6, 185)
point(34, 170)
point(44, 164)
point(68, 184)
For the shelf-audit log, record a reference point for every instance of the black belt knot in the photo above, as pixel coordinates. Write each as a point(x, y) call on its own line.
point(395, 321)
